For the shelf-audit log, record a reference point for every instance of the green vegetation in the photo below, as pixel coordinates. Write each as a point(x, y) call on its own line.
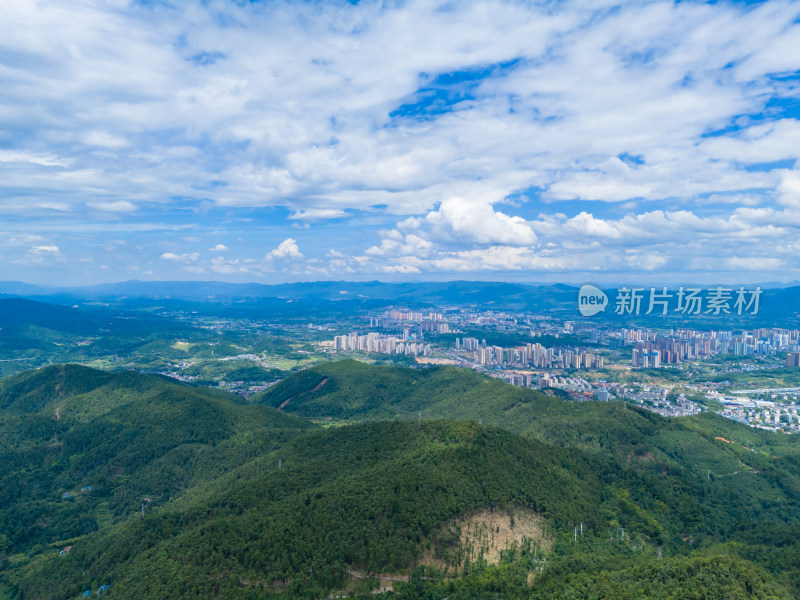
point(783, 377)
point(249, 501)
point(605, 574)
point(125, 435)
point(204, 349)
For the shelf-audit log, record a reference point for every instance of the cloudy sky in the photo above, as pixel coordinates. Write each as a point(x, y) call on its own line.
point(278, 141)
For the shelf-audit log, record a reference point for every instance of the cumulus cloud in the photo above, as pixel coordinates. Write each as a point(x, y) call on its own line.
point(477, 222)
point(649, 243)
point(286, 249)
point(396, 244)
point(219, 248)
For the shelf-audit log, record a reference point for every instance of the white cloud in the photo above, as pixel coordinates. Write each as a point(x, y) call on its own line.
point(769, 142)
point(286, 249)
point(118, 206)
point(318, 213)
point(396, 244)
point(43, 254)
point(21, 156)
point(104, 140)
point(477, 222)
point(597, 186)
point(185, 258)
point(405, 269)
point(219, 248)
point(295, 107)
point(752, 263)
point(647, 262)
point(589, 84)
point(13, 239)
point(681, 242)
point(789, 188)
point(220, 265)
point(51, 249)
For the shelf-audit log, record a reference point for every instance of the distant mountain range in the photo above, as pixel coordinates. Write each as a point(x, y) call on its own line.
point(214, 291)
point(778, 305)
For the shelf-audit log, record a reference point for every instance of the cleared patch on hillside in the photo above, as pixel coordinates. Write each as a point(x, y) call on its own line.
point(487, 535)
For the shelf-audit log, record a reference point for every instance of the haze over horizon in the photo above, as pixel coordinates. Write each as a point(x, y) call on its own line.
point(586, 142)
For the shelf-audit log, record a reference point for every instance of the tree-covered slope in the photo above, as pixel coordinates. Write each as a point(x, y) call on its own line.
point(725, 479)
point(126, 436)
point(348, 390)
point(365, 498)
point(253, 502)
point(83, 393)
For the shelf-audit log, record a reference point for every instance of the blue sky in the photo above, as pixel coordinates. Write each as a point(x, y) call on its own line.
point(281, 141)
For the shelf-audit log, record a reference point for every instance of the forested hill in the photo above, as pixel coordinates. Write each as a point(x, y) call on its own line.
point(124, 435)
point(386, 498)
point(348, 390)
point(755, 471)
point(706, 444)
point(163, 490)
point(81, 392)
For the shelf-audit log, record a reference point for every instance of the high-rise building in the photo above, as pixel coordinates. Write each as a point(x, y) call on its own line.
point(484, 356)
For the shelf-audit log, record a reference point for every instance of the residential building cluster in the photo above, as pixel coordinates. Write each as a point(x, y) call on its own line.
point(653, 398)
point(531, 354)
point(380, 343)
point(653, 349)
point(774, 418)
point(764, 414)
point(412, 315)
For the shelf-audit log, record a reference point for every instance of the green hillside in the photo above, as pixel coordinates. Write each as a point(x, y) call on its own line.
point(738, 459)
point(728, 481)
point(348, 390)
point(253, 502)
point(368, 498)
point(125, 435)
point(83, 393)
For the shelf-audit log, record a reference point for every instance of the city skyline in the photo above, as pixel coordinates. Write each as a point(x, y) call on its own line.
point(584, 142)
